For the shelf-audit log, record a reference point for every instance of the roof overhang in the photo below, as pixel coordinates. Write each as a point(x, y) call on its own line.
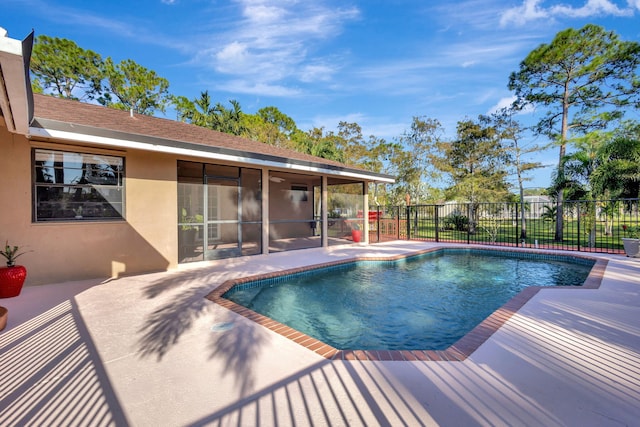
point(15, 87)
point(61, 131)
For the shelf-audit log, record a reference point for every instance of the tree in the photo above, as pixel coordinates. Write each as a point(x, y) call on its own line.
point(183, 107)
point(618, 173)
point(605, 165)
point(411, 160)
point(511, 132)
point(583, 79)
point(318, 143)
point(280, 126)
point(475, 162)
point(135, 87)
point(65, 69)
point(229, 120)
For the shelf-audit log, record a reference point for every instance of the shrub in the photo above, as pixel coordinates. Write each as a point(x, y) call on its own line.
point(456, 221)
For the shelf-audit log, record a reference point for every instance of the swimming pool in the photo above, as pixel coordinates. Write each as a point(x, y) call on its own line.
point(422, 302)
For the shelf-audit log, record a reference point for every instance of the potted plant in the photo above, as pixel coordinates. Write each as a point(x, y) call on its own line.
point(12, 276)
point(356, 234)
point(631, 241)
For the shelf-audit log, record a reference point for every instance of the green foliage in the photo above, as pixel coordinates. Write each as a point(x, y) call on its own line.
point(549, 214)
point(61, 67)
point(283, 124)
point(474, 161)
point(135, 87)
point(202, 112)
point(632, 232)
point(617, 173)
point(456, 221)
point(11, 253)
point(605, 165)
point(582, 70)
point(410, 159)
point(582, 80)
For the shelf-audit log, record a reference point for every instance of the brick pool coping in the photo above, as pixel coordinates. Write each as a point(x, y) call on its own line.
point(458, 351)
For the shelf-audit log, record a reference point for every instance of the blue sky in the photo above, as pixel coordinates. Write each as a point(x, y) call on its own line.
point(376, 63)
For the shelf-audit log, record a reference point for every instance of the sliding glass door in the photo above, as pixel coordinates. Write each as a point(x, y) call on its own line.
point(223, 238)
point(221, 207)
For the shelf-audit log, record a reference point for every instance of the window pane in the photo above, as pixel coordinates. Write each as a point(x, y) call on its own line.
point(222, 200)
point(190, 172)
point(251, 195)
point(251, 239)
point(222, 171)
point(77, 186)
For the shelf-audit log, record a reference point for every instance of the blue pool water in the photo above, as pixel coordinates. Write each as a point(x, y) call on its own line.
point(420, 303)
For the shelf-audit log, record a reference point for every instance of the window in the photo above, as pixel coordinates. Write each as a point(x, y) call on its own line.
point(299, 193)
point(77, 186)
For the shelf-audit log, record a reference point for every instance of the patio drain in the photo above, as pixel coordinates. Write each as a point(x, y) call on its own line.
point(222, 326)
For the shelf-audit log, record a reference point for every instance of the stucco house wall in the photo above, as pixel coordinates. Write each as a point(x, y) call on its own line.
point(145, 241)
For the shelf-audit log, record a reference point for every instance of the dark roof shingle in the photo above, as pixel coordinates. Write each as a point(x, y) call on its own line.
point(99, 117)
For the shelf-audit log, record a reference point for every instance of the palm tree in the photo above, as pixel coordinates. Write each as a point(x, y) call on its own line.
point(618, 173)
point(203, 113)
point(228, 120)
point(549, 215)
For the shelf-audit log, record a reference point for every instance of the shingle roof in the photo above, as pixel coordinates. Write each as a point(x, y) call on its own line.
point(103, 118)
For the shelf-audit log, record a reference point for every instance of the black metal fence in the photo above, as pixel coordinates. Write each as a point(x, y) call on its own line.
point(587, 225)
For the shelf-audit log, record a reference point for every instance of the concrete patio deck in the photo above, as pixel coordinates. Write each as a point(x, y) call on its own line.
point(150, 350)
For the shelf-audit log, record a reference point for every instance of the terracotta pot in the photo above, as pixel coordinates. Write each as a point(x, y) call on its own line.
point(4, 314)
point(11, 281)
point(356, 235)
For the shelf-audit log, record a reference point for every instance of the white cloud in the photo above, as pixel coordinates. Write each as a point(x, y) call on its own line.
point(591, 8)
point(257, 88)
point(263, 13)
point(233, 53)
point(519, 15)
point(318, 72)
point(502, 103)
point(530, 10)
point(275, 41)
point(506, 102)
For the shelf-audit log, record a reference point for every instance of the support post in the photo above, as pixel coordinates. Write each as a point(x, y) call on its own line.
point(324, 212)
point(265, 210)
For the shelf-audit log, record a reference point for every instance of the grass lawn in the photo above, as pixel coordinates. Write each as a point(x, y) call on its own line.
point(508, 233)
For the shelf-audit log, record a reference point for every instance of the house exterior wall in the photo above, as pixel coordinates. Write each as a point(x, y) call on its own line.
point(61, 251)
point(147, 239)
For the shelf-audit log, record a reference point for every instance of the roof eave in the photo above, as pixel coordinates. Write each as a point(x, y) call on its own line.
point(46, 128)
point(15, 87)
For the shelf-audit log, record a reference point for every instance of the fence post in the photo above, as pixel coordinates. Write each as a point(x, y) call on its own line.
point(469, 223)
point(408, 216)
point(378, 223)
point(578, 211)
point(437, 210)
point(398, 219)
point(517, 224)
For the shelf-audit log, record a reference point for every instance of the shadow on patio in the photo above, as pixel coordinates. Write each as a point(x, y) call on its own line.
point(51, 373)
